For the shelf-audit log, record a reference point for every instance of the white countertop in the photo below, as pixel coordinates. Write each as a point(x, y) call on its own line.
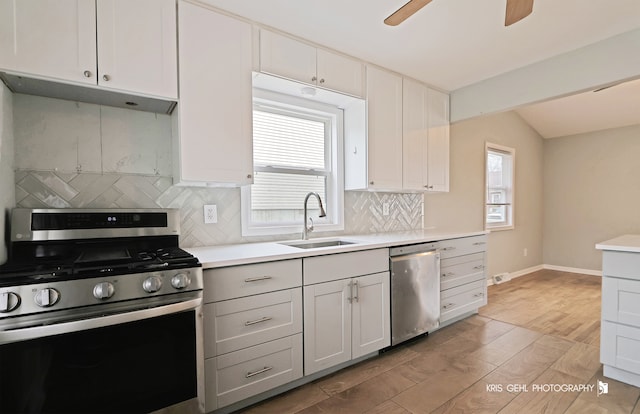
point(625, 243)
point(245, 253)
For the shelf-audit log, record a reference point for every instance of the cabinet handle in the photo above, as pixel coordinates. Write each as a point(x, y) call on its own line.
point(448, 305)
point(106, 78)
point(249, 176)
point(371, 182)
point(350, 299)
point(448, 274)
point(428, 187)
point(313, 79)
point(257, 279)
point(355, 284)
point(479, 267)
point(478, 295)
point(260, 371)
point(449, 248)
point(249, 323)
point(322, 80)
point(87, 73)
point(479, 243)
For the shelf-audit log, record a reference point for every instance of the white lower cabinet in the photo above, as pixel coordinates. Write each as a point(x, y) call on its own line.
point(463, 284)
point(252, 330)
point(345, 318)
point(620, 328)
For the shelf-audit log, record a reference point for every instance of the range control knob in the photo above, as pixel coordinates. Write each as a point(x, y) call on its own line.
point(46, 297)
point(180, 281)
point(103, 290)
point(152, 284)
point(9, 301)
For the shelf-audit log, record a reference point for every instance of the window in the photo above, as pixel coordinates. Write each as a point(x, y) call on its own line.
point(500, 162)
point(296, 150)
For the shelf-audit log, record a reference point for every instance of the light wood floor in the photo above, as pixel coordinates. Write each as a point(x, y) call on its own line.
point(539, 329)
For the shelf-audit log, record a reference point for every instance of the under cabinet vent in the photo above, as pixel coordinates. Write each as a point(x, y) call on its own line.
point(501, 278)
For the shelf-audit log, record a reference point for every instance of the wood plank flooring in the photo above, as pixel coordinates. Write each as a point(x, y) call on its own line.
point(537, 330)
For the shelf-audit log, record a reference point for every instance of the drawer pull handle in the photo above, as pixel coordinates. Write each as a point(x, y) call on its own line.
point(448, 274)
point(479, 267)
point(355, 284)
point(479, 243)
point(266, 318)
point(260, 371)
point(449, 248)
point(257, 279)
point(478, 295)
point(448, 305)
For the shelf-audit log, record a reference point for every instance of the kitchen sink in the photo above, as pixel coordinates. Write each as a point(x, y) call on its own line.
point(313, 244)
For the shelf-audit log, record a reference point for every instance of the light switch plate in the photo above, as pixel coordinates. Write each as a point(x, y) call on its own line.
point(385, 209)
point(210, 214)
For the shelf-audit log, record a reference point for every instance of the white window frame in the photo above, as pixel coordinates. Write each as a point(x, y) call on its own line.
point(334, 204)
point(510, 203)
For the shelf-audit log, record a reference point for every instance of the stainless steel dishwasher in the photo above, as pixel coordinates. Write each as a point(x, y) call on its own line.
point(415, 291)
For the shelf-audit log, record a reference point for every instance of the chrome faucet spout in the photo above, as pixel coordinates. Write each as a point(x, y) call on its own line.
point(306, 228)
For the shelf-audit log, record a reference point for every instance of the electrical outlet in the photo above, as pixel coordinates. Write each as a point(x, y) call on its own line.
point(385, 209)
point(210, 214)
point(525, 252)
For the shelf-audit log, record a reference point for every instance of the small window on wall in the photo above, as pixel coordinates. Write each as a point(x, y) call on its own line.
point(296, 150)
point(500, 168)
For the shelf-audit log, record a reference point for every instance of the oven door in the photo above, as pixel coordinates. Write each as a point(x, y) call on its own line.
point(126, 361)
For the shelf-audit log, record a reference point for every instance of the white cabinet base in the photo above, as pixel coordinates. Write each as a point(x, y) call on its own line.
point(621, 375)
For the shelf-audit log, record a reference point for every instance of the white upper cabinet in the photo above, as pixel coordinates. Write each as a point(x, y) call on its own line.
point(382, 147)
point(214, 115)
point(292, 59)
point(438, 144)
point(425, 128)
point(116, 44)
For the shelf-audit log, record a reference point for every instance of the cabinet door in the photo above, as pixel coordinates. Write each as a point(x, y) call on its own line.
point(137, 46)
point(286, 57)
point(327, 325)
point(49, 38)
point(415, 135)
point(384, 117)
point(438, 144)
point(215, 108)
point(371, 326)
point(340, 73)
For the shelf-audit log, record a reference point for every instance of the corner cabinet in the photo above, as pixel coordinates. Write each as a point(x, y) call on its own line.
point(103, 43)
point(425, 143)
point(346, 307)
point(289, 58)
point(213, 121)
point(375, 161)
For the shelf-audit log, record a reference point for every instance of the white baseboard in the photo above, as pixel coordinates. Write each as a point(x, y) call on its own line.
point(528, 270)
point(573, 270)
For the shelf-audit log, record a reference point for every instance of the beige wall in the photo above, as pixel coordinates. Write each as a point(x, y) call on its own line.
point(7, 188)
point(592, 193)
point(463, 206)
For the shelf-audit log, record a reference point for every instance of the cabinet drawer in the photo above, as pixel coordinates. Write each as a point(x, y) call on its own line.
point(462, 299)
point(621, 300)
point(238, 375)
point(238, 281)
point(239, 323)
point(620, 346)
point(462, 246)
point(344, 265)
point(621, 264)
point(454, 272)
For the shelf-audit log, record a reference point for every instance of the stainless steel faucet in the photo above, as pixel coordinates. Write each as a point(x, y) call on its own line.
point(308, 229)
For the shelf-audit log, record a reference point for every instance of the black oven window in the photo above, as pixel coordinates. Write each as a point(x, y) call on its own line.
point(136, 367)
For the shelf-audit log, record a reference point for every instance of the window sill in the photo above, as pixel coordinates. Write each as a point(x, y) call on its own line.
point(499, 228)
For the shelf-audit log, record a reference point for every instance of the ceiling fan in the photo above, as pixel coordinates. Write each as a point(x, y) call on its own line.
point(516, 11)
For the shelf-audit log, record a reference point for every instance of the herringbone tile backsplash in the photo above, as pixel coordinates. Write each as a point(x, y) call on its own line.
point(363, 210)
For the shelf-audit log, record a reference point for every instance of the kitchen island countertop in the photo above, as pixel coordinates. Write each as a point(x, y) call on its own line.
point(246, 253)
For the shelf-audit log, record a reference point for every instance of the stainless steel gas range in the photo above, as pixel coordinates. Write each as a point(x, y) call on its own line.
point(100, 312)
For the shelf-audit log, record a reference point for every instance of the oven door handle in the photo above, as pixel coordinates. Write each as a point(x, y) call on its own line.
point(34, 332)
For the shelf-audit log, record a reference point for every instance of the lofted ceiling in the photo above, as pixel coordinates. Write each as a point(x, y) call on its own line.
point(450, 44)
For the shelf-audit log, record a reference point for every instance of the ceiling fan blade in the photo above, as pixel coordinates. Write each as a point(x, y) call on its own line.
point(404, 12)
point(517, 10)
